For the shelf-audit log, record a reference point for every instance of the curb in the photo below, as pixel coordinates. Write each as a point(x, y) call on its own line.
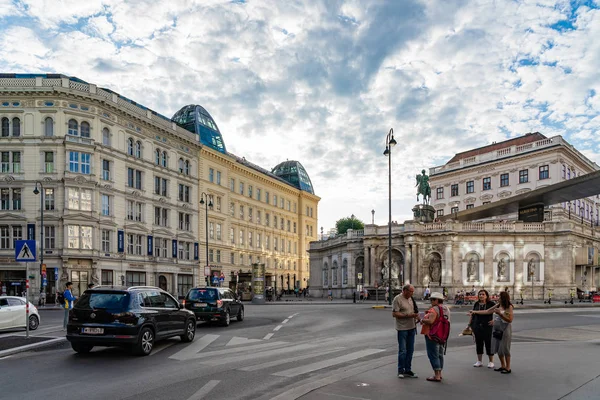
point(32, 346)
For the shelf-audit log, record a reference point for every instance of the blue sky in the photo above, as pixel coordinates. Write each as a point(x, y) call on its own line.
point(322, 82)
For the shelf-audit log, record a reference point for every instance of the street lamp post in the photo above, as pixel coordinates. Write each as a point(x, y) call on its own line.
point(207, 203)
point(36, 192)
point(372, 217)
point(389, 143)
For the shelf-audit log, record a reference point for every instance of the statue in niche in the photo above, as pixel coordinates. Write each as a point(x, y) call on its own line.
point(471, 269)
point(501, 269)
point(531, 268)
point(95, 279)
point(65, 274)
point(435, 270)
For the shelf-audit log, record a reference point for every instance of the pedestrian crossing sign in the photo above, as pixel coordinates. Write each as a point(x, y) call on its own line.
point(25, 250)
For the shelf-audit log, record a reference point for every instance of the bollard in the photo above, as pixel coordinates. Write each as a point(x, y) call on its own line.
point(354, 297)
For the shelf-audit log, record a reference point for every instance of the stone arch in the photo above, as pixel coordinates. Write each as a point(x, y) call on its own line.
point(325, 274)
point(359, 268)
point(502, 262)
point(396, 267)
point(533, 265)
point(433, 263)
point(334, 273)
point(471, 266)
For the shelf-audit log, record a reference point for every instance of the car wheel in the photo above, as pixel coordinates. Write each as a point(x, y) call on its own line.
point(145, 342)
point(240, 316)
point(82, 348)
point(226, 319)
point(34, 322)
point(190, 331)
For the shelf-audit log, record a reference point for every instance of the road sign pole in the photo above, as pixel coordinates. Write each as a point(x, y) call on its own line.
point(27, 300)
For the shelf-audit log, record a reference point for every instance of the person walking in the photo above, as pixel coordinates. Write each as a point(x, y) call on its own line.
point(503, 315)
point(403, 310)
point(435, 351)
point(69, 299)
point(481, 324)
point(42, 298)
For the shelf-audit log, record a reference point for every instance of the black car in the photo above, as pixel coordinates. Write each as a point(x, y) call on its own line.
point(131, 317)
point(214, 304)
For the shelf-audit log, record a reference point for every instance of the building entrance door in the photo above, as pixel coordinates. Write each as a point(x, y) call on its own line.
point(162, 282)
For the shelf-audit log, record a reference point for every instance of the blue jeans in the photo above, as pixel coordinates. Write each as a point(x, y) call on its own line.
point(435, 353)
point(406, 348)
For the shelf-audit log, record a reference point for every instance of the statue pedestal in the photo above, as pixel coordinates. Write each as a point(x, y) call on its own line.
point(423, 213)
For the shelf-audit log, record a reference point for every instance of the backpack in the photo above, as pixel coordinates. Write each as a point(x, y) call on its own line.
point(440, 330)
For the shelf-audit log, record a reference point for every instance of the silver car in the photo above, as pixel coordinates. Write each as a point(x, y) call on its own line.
point(12, 313)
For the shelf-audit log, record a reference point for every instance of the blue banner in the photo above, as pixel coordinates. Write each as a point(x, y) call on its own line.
point(55, 274)
point(30, 231)
point(120, 241)
point(174, 248)
point(150, 245)
point(196, 251)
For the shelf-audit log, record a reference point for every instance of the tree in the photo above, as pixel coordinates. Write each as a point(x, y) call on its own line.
point(343, 224)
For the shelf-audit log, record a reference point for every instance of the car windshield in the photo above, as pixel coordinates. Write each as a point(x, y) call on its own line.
point(103, 301)
point(203, 294)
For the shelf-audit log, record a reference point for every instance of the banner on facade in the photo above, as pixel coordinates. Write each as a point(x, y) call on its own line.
point(196, 251)
point(150, 245)
point(30, 231)
point(174, 248)
point(120, 241)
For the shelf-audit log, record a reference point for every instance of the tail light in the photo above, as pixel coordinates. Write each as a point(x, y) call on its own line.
point(219, 303)
point(183, 303)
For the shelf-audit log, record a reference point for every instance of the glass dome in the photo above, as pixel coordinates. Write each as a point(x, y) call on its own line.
point(294, 173)
point(196, 119)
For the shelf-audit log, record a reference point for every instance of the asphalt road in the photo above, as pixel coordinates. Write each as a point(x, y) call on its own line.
point(276, 347)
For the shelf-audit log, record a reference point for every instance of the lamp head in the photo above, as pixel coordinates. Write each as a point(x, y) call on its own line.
point(36, 191)
point(387, 151)
point(393, 141)
point(210, 203)
point(202, 201)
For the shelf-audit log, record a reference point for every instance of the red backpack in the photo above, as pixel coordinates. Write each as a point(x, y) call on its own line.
point(440, 330)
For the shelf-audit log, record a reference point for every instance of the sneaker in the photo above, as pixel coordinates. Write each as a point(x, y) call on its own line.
point(478, 364)
point(410, 374)
point(490, 365)
point(401, 376)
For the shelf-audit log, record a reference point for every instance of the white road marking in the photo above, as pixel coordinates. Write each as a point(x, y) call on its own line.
point(236, 358)
point(240, 340)
point(204, 390)
point(162, 346)
point(278, 327)
point(285, 321)
point(190, 352)
point(290, 373)
point(268, 336)
point(588, 316)
point(289, 359)
point(237, 350)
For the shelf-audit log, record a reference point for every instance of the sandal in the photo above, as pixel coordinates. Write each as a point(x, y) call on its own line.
point(499, 369)
point(506, 371)
point(433, 379)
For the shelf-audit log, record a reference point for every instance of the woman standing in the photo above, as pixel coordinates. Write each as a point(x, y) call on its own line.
point(482, 328)
point(435, 351)
point(502, 330)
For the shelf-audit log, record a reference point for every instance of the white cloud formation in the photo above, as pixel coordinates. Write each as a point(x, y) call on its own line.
point(323, 81)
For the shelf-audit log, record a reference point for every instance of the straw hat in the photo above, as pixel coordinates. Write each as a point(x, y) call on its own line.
point(436, 295)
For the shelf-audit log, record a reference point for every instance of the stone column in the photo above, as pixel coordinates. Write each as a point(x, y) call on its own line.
point(518, 270)
point(448, 265)
point(488, 265)
point(408, 268)
point(175, 288)
point(415, 277)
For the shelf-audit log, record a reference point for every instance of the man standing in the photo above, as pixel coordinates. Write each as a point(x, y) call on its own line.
point(403, 310)
point(69, 299)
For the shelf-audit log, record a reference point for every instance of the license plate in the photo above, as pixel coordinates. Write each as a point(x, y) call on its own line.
point(93, 331)
point(201, 304)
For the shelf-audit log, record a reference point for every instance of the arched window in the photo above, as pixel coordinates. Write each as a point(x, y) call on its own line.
point(345, 272)
point(85, 129)
point(334, 274)
point(180, 165)
point(186, 167)
point(130, 146)
point(325, 275)
point(48, 127)
point(138, 149)
point(73, 127)
point(157, 156)
point(5, 127)
point(106, 137)
point(163, 159)
point(16, 127)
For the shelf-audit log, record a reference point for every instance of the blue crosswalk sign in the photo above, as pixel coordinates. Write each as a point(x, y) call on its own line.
point(25, 250)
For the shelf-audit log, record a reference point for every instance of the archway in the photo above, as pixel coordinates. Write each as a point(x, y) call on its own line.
point(162, 282)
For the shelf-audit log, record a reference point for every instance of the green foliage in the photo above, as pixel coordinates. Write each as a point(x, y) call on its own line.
point(343, 224)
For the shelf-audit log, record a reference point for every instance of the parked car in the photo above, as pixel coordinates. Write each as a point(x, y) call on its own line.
point(214, 304)
point(133, 318)
point(12, 313)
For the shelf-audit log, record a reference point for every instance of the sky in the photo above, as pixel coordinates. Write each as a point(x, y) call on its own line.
point(324, 81)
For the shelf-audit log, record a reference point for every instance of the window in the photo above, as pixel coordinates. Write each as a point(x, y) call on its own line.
point(138, 149)
point(164, 160)
point(184, 284)
point(184, 193)
point(106, 170)
point(184, 166)
point(232, 209)
point(105, 238)
point(249, 190)
point(218, 256)
point(183, 250)
point(49, 237)
point(17, 234)
point(49, 199)
point(5, 127)
point(218, 203)
point(294, 227)
point(231, 235)
point(454, 190)
point(85, 129)
point(469, 206)
point(274, 221)
point(289, 225)
point(48, 127)
point(439, 193)
point(241, 187)
point(218, 177)
point(250, 214)
point(267, 219)
point(134, 210)
point(161, 247)
point(524, 176)
point(157, 156)
point(564, 171)
point(281, 222)
point(241, 237)
point(5, 242)
point(79, 199)
point(134, 178)
point(241, 212)
point(440, 213)
point(130, 146)
point(485, 202)
point(5, 199)
point(544, 172)
point(211, 175)
point(232, 184)
point(106, 137)
point(232, 258)
point(135, 278)
point(258, 244)
point(184, 221)
point(470, 186)
point(275, 202)
point(268, 242)
point(219, 227)
point(211, 230)
point(134, 244)
point(250, 242)
point(504, 180)
point(11, 161)
point(453, 210)
point(161, 216)
point(267, 197)
point(258, 196)
point(160, 186)
point(487, 183)
point(106, 211)
point(79, 162)
point(281, 202)
point(79, 237)
point(73, 128)
point(106, 277)
point(258, 217)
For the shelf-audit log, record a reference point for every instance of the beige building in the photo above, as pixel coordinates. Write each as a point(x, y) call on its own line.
point(560, 254)
point(121, 186)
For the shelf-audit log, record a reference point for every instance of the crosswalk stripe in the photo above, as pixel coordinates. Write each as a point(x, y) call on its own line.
point(191, 351)
point(290, 373)
point(289, 359)
point(162, 346)
point(204, 390)
point(268, 336)
point(238, 350)
point(235, 341)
